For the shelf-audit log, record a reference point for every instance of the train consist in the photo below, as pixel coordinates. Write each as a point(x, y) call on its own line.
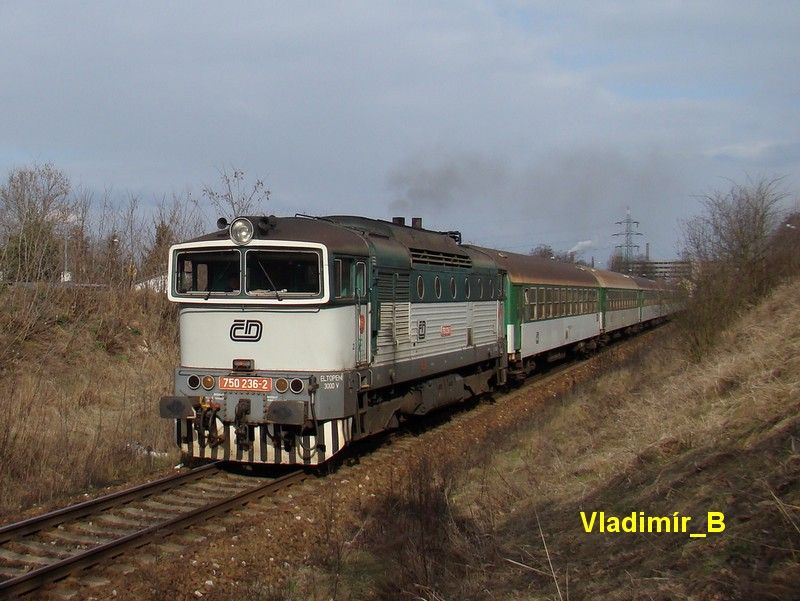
point(299, 335)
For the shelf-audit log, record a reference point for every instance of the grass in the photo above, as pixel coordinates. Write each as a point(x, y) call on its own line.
point(81, 373)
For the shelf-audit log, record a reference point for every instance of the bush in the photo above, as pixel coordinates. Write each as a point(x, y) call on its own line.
point(732, 249)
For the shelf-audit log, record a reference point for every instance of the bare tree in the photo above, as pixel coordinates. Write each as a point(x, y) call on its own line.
point(37, 211)
point(733, 233)
point(729, 247)
point(235, 197)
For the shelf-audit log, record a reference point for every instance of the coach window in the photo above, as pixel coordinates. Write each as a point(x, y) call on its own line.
point(480, 289)
point(420, 287)
point(466, 287)
point(491, 288)
point(437, 286)
point(526, 305)
point(452, 288)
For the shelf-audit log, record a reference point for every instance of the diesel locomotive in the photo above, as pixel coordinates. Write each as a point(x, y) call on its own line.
point(301, 334)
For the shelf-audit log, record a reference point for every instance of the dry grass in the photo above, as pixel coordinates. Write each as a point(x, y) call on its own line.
point(79, 388)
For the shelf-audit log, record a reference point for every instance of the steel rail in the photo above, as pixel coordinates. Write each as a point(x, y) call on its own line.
point(142, 491)
point(39, 577)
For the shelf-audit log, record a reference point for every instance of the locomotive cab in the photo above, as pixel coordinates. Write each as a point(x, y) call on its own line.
point(273, 323)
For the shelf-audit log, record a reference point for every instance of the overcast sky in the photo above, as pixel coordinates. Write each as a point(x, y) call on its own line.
point(518, 123)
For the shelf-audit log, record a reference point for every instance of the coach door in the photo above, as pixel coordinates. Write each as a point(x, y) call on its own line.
point(362, 316)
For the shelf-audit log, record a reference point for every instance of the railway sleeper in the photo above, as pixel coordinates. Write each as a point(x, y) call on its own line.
point(76, 538)
point(42, 547)
point(13, 557)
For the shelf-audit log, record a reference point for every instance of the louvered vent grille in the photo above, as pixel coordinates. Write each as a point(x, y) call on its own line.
point(393, 287)
point(395, 306)
point(421, 256)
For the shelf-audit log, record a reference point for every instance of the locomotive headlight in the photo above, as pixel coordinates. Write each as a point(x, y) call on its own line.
point(242, 230)
point(281, 385)
point(208, 382)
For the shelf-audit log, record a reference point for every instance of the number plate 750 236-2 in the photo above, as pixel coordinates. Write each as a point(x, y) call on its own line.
point(245, 383)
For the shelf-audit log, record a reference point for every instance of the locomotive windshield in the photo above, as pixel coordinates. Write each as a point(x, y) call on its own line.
point(273, 273)
point(277, 272)
point(208, 272)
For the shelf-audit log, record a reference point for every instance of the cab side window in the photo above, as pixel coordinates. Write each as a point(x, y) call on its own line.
point(342, 278)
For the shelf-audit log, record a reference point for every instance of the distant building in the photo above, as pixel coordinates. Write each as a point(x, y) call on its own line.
point(672, 271)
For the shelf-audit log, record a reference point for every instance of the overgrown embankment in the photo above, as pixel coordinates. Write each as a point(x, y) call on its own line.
point(660, 434)
point(81, 370)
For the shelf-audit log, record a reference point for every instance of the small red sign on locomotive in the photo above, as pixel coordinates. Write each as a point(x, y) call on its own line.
point(246, 383)
point(447, 330)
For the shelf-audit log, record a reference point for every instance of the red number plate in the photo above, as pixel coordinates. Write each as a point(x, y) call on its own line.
point(240, 383)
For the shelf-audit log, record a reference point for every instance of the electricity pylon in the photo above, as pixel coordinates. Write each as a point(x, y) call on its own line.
point(628, 250)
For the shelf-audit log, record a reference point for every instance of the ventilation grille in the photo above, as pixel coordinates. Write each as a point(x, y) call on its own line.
point(393, 287)
point(395, 307)
point(421, 256)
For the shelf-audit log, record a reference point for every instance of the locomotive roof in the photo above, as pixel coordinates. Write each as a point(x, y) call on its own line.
point(414, 245)
point(336, 237)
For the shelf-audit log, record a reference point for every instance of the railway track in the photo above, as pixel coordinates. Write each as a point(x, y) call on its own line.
point(50, 547)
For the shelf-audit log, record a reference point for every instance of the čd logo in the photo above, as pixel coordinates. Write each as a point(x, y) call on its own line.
point(246, 330)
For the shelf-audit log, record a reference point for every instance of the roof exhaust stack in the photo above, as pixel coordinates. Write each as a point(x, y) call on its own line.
point(399, 220)
point(416, 223)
